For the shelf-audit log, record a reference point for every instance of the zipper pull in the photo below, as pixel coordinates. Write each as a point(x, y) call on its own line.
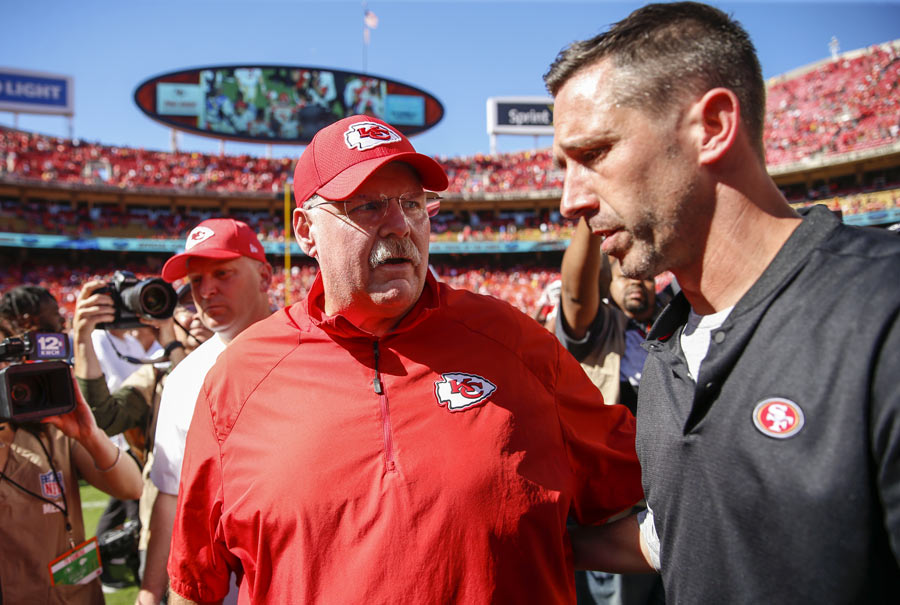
point(376, 382)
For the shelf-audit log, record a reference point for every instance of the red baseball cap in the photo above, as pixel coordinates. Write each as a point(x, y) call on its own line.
point(216, 238)
point(343, 155)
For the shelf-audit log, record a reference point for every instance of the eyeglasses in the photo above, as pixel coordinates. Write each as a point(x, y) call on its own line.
point(370, 211)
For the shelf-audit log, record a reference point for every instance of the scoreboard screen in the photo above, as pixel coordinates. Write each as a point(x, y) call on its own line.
point(280, 104)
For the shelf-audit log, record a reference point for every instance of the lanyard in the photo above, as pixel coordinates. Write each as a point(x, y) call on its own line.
point(64, 509)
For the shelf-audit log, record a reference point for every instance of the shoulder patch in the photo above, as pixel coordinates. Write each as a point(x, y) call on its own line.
point(461, 391)
point(778, 417)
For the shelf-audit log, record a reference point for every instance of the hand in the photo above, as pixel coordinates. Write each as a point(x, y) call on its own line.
point(165, 326)
point(79, 424)
point(92, 308)
point(145, 597)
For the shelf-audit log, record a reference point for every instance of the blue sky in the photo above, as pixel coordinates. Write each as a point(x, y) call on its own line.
point(462, 51)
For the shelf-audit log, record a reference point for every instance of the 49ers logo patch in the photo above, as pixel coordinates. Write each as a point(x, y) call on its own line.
point(778, 418)
point(366, 135)
point(460, 391)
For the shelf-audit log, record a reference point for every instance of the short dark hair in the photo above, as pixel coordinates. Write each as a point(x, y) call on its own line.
point(667, 51)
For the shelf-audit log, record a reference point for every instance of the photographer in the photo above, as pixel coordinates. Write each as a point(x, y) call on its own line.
point(132, 408)
point(40, 505)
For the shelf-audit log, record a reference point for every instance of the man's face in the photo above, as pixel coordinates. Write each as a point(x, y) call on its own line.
point(49, 318)
point(227, 292)
point(635, 297)
point(194, 332)
point(358, 285)
point(632, 176)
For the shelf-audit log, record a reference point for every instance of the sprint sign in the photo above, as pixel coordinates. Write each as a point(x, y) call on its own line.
point(366, 135)
point(460, 391)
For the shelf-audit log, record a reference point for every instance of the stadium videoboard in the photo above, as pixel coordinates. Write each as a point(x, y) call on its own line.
point(279, 103)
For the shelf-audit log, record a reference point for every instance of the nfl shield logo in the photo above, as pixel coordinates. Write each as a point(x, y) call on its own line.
point(51, 487)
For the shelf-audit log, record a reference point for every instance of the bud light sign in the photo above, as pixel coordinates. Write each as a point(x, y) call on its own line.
point(35, 92)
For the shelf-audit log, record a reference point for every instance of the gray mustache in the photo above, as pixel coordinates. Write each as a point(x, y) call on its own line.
point(386, 249)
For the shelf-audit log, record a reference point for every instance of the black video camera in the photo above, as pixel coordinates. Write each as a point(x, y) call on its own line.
point(133, 298)
point(31, 391)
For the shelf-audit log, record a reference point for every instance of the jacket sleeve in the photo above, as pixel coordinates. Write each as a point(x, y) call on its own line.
point(115, 412)
point(599, 329)
point(199, 561)
point(599, 443)
point(885, 427)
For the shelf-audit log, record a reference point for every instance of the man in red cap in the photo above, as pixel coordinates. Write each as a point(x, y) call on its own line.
point(390, 439)
point(230, 278)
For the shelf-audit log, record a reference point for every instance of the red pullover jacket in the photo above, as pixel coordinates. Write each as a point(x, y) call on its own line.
point(437, 464)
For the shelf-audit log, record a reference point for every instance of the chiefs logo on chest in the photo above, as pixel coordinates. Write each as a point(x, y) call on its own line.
point(461, 391)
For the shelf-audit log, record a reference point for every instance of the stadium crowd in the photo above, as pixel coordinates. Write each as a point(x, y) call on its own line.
point(159, 223)
point(841, 105)
point(518, 285)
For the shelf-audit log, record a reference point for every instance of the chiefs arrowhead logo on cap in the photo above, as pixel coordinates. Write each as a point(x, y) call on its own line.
point(777, 417)
point(199, 234)
point(461, 391)
point(366, 135)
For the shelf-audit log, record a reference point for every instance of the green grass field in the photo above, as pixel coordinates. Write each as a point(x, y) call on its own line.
point(93, 501)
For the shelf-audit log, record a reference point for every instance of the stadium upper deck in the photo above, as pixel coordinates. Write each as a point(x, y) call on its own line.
point(828, 125)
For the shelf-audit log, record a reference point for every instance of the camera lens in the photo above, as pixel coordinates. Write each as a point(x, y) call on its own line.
point(20, 393)
point(150, 297)
point(29, 391)
point(156, 300)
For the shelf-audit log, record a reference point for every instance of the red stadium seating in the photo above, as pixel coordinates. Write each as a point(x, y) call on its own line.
point(842, 105)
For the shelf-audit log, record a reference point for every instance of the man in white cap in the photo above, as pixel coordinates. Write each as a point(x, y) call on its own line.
point(230, 279)
point(390, 439)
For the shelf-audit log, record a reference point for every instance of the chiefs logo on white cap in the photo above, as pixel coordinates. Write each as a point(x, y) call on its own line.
point(199, 234)
point(461, 391)
point(366, 135)
point(778, 418)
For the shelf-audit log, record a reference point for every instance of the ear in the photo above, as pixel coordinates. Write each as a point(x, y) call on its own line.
point(718, 114)
point(304, 232)
point(265, 277)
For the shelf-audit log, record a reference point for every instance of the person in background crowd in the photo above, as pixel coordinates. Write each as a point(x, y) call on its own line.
point(426, 442)
point(603, 320)
point(769, 406)
point(230, 278)
point(115, 351)
point(133, 408)
point(28, 308)
point(605, 317)
point(40, 504)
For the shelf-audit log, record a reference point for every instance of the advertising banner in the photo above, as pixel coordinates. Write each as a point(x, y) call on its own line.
point(520, 115)
point(36, 92)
